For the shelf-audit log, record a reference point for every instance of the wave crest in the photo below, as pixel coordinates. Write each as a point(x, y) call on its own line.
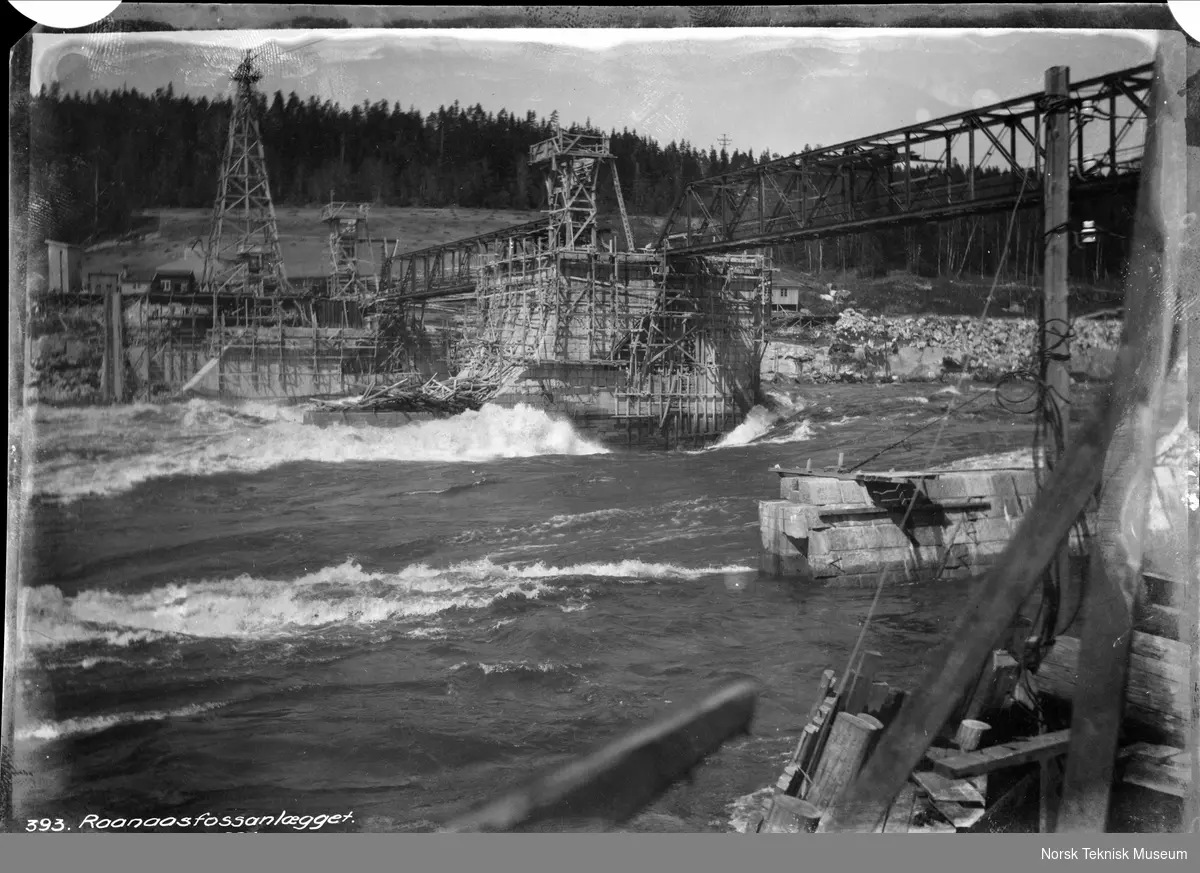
point(108, 451)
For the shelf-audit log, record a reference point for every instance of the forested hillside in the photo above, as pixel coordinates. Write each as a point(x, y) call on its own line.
point(97, 159)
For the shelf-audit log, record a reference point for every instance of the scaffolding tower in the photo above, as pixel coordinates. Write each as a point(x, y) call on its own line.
point(351, 253)
point(243, 254)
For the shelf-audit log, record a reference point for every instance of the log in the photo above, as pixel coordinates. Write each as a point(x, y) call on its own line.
point(841, 759)
point(789, 815)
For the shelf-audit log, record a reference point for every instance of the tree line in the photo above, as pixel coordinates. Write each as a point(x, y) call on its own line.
point(96, 159)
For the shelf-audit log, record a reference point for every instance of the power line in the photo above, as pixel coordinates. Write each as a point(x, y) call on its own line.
point(724, 140)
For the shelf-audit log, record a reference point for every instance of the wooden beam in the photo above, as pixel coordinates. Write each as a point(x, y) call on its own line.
point(1150, 300)
point(1005, 755)
point(615, 781)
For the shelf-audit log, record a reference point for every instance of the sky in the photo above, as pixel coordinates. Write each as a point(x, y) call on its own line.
point(777, 88)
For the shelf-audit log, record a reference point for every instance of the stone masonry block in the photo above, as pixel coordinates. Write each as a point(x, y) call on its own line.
point(819, 492)
point(978, 484)
point(948, 486)
point(930, 535)
point(852, 492)
point(843, 539)
point(824, 567)
point(795, 521)
point(787, 487)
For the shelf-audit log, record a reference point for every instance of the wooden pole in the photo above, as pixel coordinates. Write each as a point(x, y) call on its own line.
point(1151, 306)
point(106, 383)
point(1056, 315)
point(118, 346)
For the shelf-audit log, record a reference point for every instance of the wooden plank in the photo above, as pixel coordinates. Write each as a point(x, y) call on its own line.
point(804, 751)
point(850, 509)
point(1151, 300)
point(1173, 776)
point(901, 811)
point(824, 686)
point(616, 780)
point(1160, 621)
point(1012, 754)
point(941, 787)
point(1156, 685)
point(829, 711)
point(960, 815)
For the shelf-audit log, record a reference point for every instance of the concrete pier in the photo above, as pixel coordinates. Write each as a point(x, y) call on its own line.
point(843, 529)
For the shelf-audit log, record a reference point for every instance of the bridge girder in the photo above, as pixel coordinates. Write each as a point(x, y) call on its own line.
point(889, 180)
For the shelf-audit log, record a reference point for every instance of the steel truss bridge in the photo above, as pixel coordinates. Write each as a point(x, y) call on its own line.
point(972, 163)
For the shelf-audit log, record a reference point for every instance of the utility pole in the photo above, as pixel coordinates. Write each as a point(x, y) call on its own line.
point(1054, 337)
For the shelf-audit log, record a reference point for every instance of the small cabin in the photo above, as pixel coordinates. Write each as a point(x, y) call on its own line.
point(66, 267)
point(177, 277)
point(785, 296)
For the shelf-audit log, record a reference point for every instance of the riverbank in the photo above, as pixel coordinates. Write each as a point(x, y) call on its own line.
point(863, 347)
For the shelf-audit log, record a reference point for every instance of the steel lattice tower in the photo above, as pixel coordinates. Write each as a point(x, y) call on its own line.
point(243, 254)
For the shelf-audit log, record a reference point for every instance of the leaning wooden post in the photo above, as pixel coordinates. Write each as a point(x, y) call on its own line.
point(1116, 566)
point(1015, 574)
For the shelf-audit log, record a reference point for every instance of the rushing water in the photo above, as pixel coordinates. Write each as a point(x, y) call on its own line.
point(229, 612)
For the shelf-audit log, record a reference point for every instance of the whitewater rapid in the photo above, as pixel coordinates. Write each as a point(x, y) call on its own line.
point(102, 451)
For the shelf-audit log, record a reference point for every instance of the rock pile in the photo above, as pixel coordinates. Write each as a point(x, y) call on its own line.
point(862, 346)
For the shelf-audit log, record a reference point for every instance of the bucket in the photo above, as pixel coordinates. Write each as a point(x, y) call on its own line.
point(970, 732)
